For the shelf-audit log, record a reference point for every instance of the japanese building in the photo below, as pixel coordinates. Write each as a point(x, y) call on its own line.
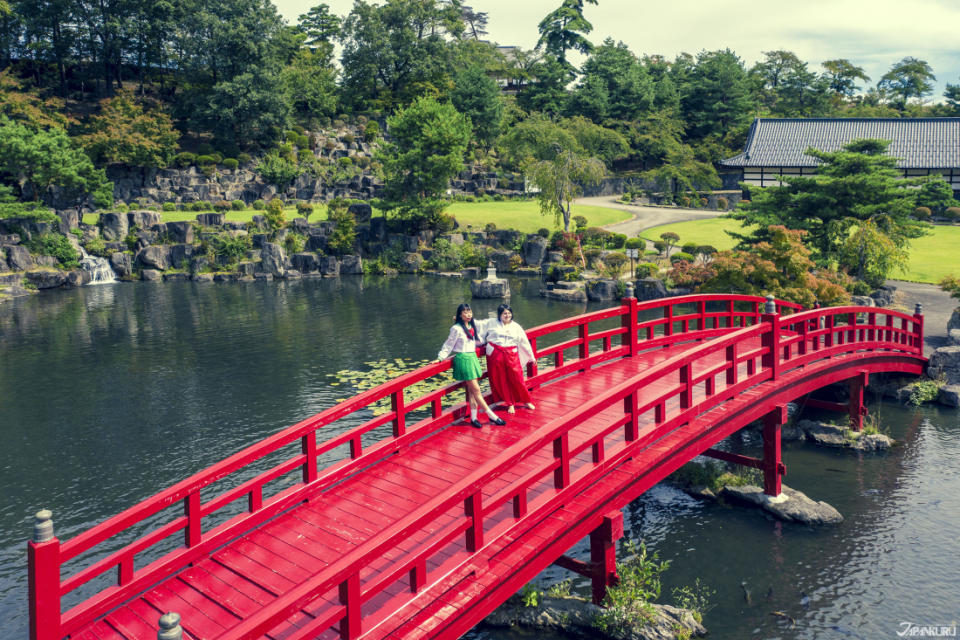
point(775, 147)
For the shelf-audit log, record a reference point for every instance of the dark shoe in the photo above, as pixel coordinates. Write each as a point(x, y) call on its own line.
point(476, 423)
point(499, 422)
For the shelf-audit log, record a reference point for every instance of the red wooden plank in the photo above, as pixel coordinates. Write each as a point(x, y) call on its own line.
point(262, 576)
point(203, 619)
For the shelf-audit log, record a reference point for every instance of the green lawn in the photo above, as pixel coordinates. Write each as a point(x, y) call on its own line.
point(524, 215)
point(931, 257)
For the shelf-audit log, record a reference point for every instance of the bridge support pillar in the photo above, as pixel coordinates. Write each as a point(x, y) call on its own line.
point(603, 554)
point(856, 406)
point(773, 468)
point(602, 568)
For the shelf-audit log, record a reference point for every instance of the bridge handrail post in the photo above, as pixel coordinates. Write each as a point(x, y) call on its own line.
point(628, 322)
point(169, 627)
point(918, 325)
point(43, 577)
point(771, 338)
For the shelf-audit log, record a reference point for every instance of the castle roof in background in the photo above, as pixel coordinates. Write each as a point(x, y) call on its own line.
point(919, 143)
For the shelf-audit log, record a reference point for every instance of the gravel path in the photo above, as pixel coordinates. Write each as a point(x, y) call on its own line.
point(645, 217)
point(937, 308)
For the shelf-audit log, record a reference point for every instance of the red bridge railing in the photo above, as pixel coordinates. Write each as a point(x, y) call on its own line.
point(788, 341)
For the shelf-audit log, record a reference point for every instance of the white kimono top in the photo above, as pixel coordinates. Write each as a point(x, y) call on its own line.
point(508, 335)
point(458, 342)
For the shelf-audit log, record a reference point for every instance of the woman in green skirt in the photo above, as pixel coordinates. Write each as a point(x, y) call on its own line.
point(462, 342)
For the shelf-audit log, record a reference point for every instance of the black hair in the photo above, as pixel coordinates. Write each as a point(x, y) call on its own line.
point(458, 320)
point(501, 309)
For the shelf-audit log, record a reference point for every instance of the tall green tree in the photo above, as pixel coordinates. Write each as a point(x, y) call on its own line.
point(36, 160)
point(477, 96)
point(853, 185)
point(428, 140)
point(320, 26)
point(564, 29)
point(547, 90)
point(309, 83)
point(560, 181)
point(627, 89)
point(397, 51)
point(909, 78)
point(716, 95)
point(842, 76)
point(123, 132)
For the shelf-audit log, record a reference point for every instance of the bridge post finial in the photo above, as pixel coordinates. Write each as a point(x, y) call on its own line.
point(43, 526)
point(918, 309)
point(629, 291)
point(170, 628)
point(771, 305)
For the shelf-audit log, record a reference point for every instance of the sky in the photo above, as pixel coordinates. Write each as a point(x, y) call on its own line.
point(873, 34)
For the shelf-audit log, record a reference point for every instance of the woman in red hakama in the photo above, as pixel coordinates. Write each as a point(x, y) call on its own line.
point(508, 352)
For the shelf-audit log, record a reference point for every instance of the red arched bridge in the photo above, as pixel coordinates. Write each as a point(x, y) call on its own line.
point(414, 525)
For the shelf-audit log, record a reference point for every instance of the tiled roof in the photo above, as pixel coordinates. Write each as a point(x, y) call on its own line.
point(919, 143)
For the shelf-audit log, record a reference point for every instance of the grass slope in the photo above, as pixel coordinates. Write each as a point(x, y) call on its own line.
point(522, 215)
point(931, 257)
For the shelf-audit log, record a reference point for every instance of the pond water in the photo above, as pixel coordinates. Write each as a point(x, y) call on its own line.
point(110, 393)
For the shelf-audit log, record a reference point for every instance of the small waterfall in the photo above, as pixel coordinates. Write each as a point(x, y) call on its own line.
point(99, 268)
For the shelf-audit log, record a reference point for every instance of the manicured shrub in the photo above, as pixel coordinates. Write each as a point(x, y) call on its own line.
point(304, 209)
point(617, 240)
point(634, 243)
point(348, 138)
point(371, 131)
point(647, 270)
point(201, 205)
point(363, 161)
point(259, 205)
point(221, 206)
point(685, 201)
point(580, 222)
point(722, 203)
point(204, 149)
point(169, 206)
point(681, 255)
point(704, 202)
point(490, 227)
point(345, 161)
point(329, 145)
point(244, 158)
point(184, 159)
point(238, 205)
point(231, 163)
point(303, 142)
point(689, 247)
point(206, 160)
point(543, 232)
point(953, 213)
point(217, 157)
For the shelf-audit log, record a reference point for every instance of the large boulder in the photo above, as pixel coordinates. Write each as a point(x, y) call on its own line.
point(954, 321)
point(3, 260)
point(490, 288)
point(650, 289)
point(46, 279)
point(351, 265)
point(534, 250)
point(273, 259)
point(144, 219)
point(792, 505)
point(601, 290)
point(154, 257)
point(69, 220)
point(946, 361)
point(453, 238)
point(19, 258)
point(501, 260)
point(949, 395)
point(180, 232)
point(114, 226)
point(305, 262)
point(329, 266)
point(211, 219)
point(411, 263)
point(151, 275)
point(180, 255)
point(122, 263)
point(361, 211)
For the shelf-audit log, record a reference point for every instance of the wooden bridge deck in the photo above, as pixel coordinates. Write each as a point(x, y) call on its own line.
point(422, 531)
point(251, 572)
